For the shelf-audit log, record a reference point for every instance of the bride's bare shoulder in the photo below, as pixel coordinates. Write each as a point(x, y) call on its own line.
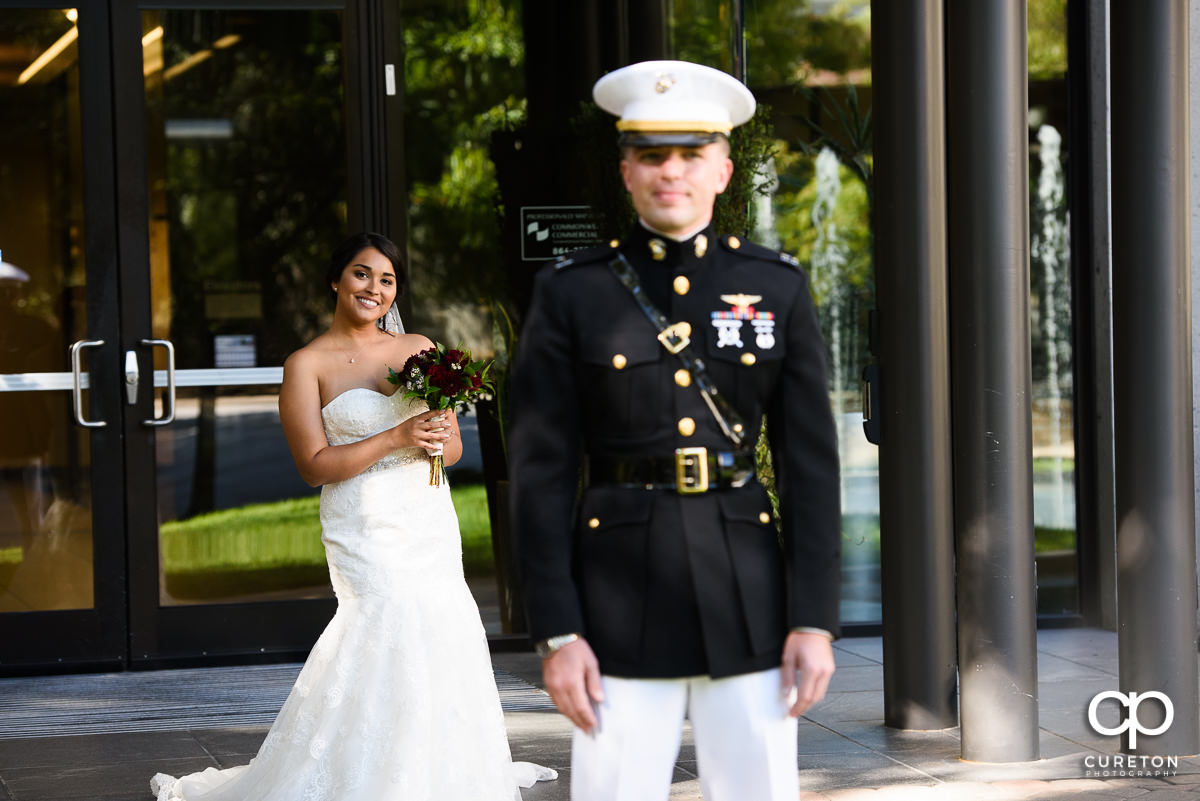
point(408, 344)
point(309, 356)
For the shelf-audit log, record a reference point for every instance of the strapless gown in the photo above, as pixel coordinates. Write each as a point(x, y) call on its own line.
point(397, 701)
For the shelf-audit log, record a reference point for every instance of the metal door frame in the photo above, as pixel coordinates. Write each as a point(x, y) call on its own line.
point(228, 632)
point(92, 638)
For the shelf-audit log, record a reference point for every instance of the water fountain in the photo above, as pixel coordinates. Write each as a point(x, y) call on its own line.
point(1051, 249)
point(827, 273)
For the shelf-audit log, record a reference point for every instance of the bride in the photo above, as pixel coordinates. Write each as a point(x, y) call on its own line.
point(397, 699)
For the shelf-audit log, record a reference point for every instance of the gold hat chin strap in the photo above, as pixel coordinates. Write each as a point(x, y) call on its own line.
point(674, 126)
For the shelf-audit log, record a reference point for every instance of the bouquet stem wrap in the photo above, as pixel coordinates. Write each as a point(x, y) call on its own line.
point(437, 467)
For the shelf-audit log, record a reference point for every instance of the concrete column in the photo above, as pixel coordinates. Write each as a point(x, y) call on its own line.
point(915, 490)
point(1156, 546)
point(991, 379)
point(1194, 239)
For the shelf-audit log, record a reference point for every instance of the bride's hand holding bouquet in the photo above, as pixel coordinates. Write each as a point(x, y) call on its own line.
point(445, 378)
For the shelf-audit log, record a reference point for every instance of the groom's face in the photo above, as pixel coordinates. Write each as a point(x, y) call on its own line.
point(673, 187)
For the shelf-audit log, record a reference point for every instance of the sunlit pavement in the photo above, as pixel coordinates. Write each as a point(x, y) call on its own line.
point(845, 751)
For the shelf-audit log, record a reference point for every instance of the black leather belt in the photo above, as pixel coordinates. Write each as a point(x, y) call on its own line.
point(688, 471)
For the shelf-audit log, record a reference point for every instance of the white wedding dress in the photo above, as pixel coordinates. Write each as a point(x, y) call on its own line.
point(397, 701)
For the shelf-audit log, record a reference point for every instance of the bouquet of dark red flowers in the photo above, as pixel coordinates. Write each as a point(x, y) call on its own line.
point(445, 378)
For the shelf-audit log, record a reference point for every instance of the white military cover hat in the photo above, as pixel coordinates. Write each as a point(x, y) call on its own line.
point(673, 103)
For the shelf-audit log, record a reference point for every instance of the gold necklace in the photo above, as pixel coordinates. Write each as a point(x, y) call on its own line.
point(350, 357)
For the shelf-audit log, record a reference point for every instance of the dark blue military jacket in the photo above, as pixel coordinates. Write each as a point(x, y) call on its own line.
point(663, 584)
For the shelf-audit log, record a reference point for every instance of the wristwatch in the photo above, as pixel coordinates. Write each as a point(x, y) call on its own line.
point(547, 647)
point(812, 630)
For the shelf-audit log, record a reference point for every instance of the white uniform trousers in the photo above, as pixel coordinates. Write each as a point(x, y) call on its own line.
point(745, 740)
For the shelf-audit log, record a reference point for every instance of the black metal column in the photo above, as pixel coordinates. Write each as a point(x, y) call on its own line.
point(1091, 310)
point(988, 165)
point(915, 502)
point(1156, 552)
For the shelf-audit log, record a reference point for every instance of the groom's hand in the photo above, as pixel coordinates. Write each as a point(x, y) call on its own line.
point(572, 677)
point(807, 668)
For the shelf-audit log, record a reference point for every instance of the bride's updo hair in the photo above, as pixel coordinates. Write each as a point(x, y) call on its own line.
point(357, 243)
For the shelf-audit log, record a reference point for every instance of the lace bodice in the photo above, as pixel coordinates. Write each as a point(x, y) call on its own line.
point(385, 529)
point(360, 412)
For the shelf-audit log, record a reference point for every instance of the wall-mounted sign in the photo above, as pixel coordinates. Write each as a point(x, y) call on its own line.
point(233, 350)
point(548, 232)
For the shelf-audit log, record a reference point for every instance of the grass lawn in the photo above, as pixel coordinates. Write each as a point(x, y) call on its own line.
point(275, 546)
point(10, 560)
point(862, 532)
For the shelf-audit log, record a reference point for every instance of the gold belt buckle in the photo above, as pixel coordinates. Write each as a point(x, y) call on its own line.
point(691, 470)
point(673, 338)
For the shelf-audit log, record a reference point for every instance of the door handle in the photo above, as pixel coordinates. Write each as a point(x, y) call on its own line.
point(131, 377)
point(77, 349)
point(168, 399)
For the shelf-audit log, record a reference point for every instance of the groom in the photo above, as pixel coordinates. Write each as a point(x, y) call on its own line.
point(663, 588)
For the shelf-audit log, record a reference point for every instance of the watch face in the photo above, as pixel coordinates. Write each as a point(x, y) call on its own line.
point(546, 648)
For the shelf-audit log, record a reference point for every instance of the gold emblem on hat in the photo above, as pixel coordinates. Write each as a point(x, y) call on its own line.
point(683, 378)
point(663, 82)
point(619, 361)
point(682, 285)
point(687, 426)
point(658, 249)
point(701, 245)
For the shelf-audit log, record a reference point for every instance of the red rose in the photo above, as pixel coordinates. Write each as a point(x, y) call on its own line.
point(438, 377)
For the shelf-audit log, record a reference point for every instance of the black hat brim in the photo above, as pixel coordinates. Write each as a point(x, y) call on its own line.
point(666, 138)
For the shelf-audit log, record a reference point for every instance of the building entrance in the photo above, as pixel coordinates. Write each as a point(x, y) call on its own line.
point(171, 179)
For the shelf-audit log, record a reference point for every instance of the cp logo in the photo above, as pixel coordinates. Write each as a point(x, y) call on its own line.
point(1131, 700)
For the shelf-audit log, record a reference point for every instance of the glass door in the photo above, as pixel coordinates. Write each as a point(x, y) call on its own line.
point(62, 549)
point(236, 121)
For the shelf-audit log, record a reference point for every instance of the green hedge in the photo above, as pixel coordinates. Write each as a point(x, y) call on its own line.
point(277, 546)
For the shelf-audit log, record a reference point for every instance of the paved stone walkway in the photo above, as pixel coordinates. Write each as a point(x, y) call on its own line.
point(846, 754)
